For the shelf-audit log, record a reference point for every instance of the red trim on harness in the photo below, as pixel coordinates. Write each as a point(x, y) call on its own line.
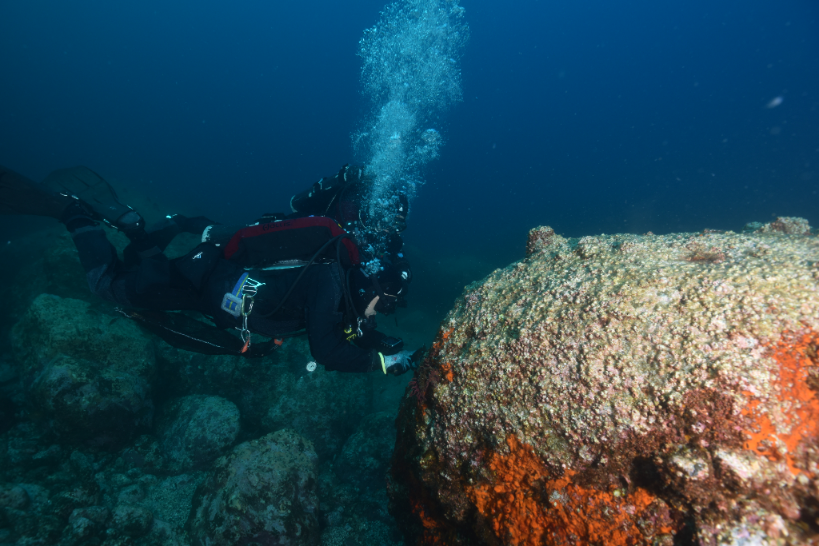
point(284, 225)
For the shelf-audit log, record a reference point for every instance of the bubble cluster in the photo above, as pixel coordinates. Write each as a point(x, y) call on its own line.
point(411, 72)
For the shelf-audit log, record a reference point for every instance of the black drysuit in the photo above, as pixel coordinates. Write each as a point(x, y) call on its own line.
point(199, 281)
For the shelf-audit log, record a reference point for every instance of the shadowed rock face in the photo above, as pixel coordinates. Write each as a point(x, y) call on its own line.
point(196, 429)
point(263, 492)
point(86, 373)
point(622, 390)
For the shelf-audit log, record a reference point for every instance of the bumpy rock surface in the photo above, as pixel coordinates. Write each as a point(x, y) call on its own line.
point(622, 390)
point(263, 492)
point(323, 406)
point(277, 392)
point(365, 457)
point(352, 490)
point(196, 429)
point(87, 372)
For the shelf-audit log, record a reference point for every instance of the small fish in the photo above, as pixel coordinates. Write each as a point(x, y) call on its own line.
point(776, 101)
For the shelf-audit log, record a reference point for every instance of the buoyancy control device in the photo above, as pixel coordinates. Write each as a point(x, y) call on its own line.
point(290, 243)
point(272, 243)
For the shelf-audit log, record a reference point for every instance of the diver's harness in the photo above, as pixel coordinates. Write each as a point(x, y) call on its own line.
point(239, 301)
point(182, 331)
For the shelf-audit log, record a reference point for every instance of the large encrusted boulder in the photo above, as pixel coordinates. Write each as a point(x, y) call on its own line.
point(87, 373)
point(195, 430)
point(622, 390)
point(263, 492)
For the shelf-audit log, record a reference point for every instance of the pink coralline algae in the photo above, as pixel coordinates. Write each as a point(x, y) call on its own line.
point(623, 390)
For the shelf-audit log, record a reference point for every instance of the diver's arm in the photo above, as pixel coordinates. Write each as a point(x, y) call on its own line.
point(328, 344)
point(371, 338)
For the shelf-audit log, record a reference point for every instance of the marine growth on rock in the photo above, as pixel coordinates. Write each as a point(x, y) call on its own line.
point(622, 390)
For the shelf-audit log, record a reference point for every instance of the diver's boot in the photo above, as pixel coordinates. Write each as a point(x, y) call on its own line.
point(87, 186)
point(195, 225)
point(158, 236)
point(20, 195)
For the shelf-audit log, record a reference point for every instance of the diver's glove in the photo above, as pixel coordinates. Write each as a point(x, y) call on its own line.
point(402, 362)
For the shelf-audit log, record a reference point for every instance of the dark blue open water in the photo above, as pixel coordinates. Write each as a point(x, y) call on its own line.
point(589, 116)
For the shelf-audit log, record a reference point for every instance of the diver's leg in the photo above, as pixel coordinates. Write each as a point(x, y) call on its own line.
point(160, 234)
point(97, 255)
point(148, 285)
point(163, 232)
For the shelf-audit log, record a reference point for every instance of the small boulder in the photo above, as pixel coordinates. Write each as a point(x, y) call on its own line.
point(788, 225)
point(274, 393)
point(264, 491)
point(540, 238)
point(322, 406)
point(195, 430)
point(365, 458)
point(145, 453)
point(131, 520)
point(14, 497)
point(84, 524)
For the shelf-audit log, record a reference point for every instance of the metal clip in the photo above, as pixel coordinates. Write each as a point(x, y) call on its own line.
point(251, 287)
point(249, 290)
point(247, 305)
point(244, 333)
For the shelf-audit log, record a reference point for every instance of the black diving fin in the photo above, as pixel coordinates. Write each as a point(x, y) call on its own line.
point(21, 195)
point(84, 184)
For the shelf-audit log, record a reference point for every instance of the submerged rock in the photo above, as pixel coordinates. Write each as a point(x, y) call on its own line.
point(353, 489)
point(131, 521)
point(84, 524)
point(622, 390)
point(324, 407)
point(276, 392)
point(263, 492)
point(87, 373)
point(195, 430)
point(365, 457)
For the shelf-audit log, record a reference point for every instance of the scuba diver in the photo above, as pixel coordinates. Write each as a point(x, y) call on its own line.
point(277, 278)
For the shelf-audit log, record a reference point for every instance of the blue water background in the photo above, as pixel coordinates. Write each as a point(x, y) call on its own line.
point(589, 116)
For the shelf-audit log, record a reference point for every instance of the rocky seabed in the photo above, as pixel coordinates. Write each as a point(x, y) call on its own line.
point(108, 436)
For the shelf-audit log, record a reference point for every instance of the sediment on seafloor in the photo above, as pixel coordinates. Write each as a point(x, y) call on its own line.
point(622, 389)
